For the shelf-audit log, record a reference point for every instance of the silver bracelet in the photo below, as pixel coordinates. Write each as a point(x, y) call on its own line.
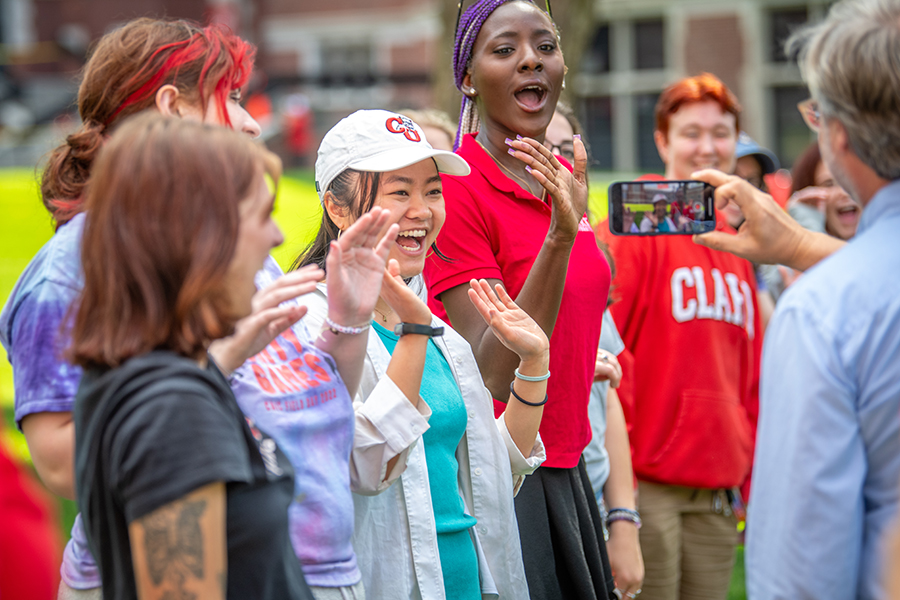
point(336, 329)
point(543, 377)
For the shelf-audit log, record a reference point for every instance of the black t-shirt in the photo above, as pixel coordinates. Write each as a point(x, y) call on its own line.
point(158, 428)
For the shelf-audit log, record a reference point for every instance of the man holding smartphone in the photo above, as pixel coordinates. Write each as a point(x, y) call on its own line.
point(828, 458)
point(689, 316)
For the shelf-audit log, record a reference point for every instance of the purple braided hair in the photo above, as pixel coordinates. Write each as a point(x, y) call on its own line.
point(466, 33)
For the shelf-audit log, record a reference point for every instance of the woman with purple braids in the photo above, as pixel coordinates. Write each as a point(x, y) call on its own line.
point(518, 219)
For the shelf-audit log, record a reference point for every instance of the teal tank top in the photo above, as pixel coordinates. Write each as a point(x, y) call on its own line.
point(447, 425)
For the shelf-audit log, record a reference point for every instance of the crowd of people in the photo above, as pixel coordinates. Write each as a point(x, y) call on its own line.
point(460, 389)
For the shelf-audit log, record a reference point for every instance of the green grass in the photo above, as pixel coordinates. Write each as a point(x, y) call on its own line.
point(736, 590)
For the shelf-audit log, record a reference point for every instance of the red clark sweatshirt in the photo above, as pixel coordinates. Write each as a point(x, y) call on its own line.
point(689, 317)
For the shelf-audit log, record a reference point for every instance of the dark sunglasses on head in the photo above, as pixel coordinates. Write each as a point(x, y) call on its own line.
point(459, 12)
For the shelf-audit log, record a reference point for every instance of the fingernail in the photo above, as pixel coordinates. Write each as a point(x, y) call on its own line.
point(511, 151)
point(577, 136)
point(518, 137)
point(508, 141)
point(527, 168)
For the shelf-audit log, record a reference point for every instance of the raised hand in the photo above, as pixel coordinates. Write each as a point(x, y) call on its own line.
point(267, 319)
point(512, 325)
point(568, 191)
point(814, 196)
point(355, 267)
point(769, 235)
point(404, 302)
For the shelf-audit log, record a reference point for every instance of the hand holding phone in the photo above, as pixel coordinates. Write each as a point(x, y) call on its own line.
point(661, 207)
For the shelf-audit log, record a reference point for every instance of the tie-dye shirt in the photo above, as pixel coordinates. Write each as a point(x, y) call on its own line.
point(31, 320)
point(30, 326)
point(293, 391)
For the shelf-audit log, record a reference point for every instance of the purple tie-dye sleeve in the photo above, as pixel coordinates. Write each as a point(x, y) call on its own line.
point(44, 381)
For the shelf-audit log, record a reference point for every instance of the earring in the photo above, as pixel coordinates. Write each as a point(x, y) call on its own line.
point(340, 232)
point(471, 92)
point(564, 84)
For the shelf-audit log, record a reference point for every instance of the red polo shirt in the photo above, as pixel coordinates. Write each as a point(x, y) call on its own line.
point(494, 230)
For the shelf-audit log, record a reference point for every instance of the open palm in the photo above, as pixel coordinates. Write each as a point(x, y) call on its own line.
point(512, 325)
point(568, 190)
point(355, 267)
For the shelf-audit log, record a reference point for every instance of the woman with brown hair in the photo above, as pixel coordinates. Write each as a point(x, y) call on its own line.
point(176, 68)
point(181, 496)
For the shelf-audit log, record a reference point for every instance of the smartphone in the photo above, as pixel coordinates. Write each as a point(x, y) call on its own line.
point(661, 207)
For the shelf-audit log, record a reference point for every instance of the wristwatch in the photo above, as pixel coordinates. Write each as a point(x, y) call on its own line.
point(402, 329)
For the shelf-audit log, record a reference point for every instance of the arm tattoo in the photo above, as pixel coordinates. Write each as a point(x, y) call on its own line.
point(173, 542)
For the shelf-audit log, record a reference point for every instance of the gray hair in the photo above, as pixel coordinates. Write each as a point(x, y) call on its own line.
point(851, 62)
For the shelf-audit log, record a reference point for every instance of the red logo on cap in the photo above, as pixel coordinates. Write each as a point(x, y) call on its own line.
point(405, 126)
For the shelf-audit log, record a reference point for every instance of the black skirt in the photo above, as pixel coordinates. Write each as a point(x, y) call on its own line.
point(562, 536)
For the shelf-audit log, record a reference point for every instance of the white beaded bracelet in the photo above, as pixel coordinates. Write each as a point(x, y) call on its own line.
point(336, 329)
point(543, 377)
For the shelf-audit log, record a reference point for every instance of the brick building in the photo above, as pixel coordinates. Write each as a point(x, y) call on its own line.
point(639, 46)
point(341, 55)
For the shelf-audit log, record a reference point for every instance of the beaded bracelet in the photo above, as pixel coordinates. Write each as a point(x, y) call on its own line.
point(623, 514)
point(543, 377)
point(336, 329)
point(524, 401)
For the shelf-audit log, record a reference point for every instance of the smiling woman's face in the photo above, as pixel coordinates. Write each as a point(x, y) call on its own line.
point(414, 196)
point(517, 70)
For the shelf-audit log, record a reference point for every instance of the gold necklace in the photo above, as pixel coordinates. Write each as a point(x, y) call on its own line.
point(510, 171)
point(384, 316)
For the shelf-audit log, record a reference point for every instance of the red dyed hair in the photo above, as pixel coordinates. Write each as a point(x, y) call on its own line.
point(126, 69)
point(695, 89)
point(160, 235)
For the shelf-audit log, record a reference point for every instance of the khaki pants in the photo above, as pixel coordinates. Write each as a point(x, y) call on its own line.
point(687, 541)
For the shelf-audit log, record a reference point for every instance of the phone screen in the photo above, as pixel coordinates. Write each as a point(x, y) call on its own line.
point(661, 207)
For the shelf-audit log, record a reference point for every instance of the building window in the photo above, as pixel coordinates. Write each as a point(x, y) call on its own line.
point(597, 114)
point(783, 22)
point(347, 65)
point(792, 136)
point(596, 59)
point(648, 156)
point(649, 45)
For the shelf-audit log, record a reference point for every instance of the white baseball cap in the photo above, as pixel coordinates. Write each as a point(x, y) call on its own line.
point(378, 141)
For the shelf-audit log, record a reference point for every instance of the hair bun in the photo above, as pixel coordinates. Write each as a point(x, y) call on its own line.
point(86, 142)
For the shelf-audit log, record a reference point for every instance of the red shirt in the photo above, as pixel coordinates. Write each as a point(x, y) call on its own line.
point(494, 230)
point(689, 316)
point(30, 547)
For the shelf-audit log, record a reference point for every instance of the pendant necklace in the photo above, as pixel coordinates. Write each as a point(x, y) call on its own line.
point(384, 316)
point(510, 171)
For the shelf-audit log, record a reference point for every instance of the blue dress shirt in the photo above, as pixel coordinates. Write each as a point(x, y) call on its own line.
point(827, 466)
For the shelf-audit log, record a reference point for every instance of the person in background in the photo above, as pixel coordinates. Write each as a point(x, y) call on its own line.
point(181, 495)
point(817, 201)
point(828, 450)
point(689, 316)
point(753, 164)
point(658, 220)
point(519, 220)
point(436, 124)
point(819, 204)
point(177, 68)
point(607, 458)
